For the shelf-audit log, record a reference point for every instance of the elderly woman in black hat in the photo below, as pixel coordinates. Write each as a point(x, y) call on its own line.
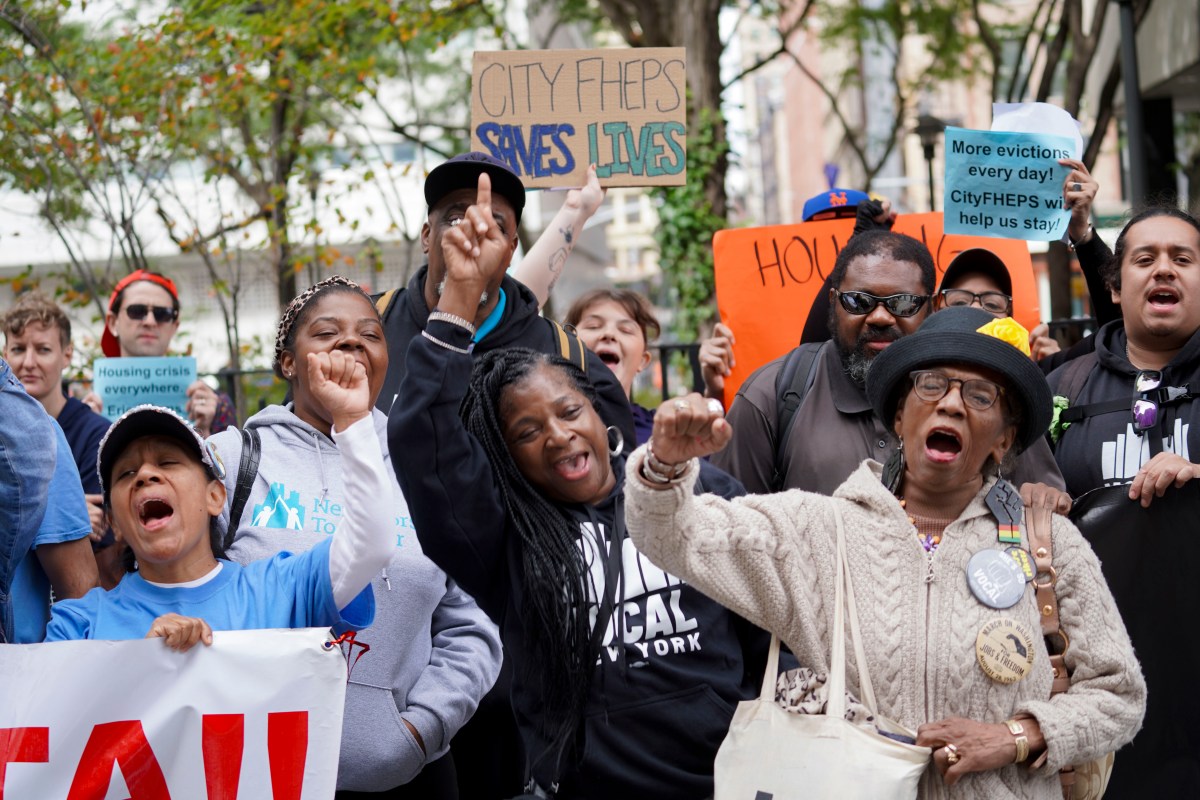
point(938, 555)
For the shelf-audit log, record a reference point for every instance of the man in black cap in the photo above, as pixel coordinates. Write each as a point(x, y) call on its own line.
point(486, 750)
point(508, 311)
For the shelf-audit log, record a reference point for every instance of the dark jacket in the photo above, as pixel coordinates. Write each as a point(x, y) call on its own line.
point(520, 326)
point(84, 429)
point(1103, 449)
point(662, 697)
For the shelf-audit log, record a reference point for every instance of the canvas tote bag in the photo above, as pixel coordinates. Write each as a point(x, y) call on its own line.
point(770, 752)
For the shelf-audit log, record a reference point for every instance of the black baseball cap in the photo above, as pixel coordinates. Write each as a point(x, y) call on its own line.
point(462, 172)
point(977, 260)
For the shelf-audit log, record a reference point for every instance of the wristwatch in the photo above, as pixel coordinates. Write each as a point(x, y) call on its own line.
point(1022, 741)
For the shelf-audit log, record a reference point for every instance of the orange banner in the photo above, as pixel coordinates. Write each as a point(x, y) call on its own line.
point(767, 279)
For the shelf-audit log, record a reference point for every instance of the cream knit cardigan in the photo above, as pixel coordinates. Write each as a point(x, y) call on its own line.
point(771, 559)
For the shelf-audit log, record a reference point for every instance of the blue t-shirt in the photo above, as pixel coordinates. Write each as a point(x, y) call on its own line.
point(286, 591)
point(66, 520)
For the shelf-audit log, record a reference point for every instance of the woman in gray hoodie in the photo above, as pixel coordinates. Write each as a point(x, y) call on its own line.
point(433, 653)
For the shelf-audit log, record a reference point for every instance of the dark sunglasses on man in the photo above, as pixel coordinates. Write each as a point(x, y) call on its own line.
point(162, 314)
point(991, 302)
point(898, 305)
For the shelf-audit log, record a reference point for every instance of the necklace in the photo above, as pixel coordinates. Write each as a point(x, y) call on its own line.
point(929, 530)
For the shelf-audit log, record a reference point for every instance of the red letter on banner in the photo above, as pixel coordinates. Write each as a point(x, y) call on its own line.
point(287, 747)
point(223, 739)
point(125, 744)
point(24, 745)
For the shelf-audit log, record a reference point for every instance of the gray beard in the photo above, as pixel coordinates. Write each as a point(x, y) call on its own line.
point(857, 366)
point(441, 287)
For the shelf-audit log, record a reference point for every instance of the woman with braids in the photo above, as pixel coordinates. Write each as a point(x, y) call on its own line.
point(624, 677)
point(433, 652)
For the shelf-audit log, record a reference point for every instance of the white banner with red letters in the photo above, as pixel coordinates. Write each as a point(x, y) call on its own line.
point(257, 715)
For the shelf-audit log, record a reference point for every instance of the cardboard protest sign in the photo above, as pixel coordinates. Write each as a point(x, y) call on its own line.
point(1006, 185)
point(768, 277)
point(548, 114)
point(256, 714)
point(123, 383)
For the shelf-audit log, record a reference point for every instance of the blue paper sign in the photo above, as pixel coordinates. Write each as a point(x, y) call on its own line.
point(1006, 185)
point(123, 383)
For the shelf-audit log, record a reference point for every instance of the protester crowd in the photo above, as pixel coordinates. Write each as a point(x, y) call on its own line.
point(567, 594)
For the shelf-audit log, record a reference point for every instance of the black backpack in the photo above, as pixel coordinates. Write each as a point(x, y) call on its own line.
point(795, 378)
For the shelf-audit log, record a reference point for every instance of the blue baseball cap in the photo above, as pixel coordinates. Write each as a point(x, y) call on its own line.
point(843, 202)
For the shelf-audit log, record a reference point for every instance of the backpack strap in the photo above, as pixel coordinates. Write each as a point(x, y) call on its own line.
point(247, 470)
point(792, 383)
point(384, 301)
point(569, 346)
point(1075, 375)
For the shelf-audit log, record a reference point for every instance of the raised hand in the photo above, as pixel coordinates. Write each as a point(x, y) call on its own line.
point(1041, 343)
point(716, 360)
point(476, 253)
point(201, 406)
point(1078, 200)
point(339, 382)
point(180, 633)
point(587, 198)
point(689, 427)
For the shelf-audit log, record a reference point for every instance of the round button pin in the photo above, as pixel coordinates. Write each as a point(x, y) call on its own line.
point(1023, 559)
point(1004, 649)
point(995, 579)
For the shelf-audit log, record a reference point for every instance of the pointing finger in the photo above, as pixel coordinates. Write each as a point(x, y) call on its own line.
point(483, 196)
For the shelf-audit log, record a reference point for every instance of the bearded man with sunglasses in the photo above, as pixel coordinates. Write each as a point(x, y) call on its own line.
point(881, 287)
point(881, 290)
point(143, 315)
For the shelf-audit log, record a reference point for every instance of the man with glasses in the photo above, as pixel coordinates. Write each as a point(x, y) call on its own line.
point(880, 290)
point(143, 315)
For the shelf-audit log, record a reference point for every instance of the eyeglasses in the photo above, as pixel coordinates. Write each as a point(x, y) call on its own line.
point(977, 393)
point(162, 314)
point(898, 305)
point(991, 302)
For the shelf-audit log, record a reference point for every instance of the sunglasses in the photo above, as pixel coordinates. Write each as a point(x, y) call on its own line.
point(898, 305)
point(1151, 396)
point(162, 314)
point(991, 302)
point(976, 393)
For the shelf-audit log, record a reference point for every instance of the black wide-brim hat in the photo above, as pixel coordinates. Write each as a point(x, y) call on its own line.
point(971, 337)
point(462, 172)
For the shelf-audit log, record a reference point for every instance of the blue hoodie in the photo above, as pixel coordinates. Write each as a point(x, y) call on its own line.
point(433, 654)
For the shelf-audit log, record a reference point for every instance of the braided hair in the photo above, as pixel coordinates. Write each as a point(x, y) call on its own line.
point(555, 601)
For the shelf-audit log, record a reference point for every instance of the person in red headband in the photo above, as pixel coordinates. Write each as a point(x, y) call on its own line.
point(143, 315)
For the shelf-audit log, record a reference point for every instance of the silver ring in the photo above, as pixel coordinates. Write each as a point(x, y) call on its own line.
point(1077, 187)
point(681, 405)
point(952, 756)
point(714, 405)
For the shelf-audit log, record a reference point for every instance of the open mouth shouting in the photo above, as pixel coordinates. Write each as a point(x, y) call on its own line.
point(154, 513)
point(573, 467)
point(943, 445)
point(1163, 298)
point(610, 354)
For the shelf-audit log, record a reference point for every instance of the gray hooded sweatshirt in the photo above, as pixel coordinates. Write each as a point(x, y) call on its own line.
point(433, 654)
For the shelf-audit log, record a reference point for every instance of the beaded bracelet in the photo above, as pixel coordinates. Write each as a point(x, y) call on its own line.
point(453, 319)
